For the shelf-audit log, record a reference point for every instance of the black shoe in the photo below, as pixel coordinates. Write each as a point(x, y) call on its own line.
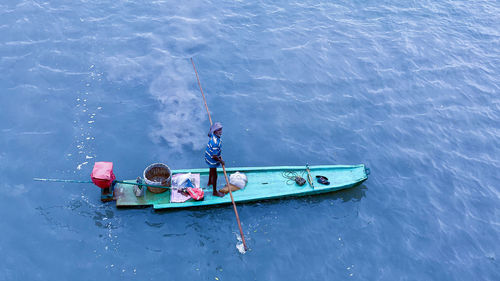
point(323, 180)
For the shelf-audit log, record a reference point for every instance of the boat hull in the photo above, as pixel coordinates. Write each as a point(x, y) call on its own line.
point(263, 183)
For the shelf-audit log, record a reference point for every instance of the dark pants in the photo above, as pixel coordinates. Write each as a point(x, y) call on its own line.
point(212, 177)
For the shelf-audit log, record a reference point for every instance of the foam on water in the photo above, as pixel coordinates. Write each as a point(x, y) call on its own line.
point(181, 114)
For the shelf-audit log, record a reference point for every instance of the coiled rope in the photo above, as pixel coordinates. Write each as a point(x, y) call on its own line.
point(291, 176)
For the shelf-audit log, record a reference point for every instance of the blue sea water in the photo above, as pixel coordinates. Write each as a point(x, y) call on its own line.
point(409, 88)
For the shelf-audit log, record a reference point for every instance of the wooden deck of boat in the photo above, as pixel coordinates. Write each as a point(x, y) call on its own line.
point(263, 183)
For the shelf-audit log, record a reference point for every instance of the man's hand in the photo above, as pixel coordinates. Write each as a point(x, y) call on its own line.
point(219, 159)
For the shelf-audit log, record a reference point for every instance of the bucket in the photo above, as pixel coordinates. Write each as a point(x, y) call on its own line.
point(157, 174)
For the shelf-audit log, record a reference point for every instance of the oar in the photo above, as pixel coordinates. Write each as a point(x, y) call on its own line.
point(234, 207)
point(223, 166)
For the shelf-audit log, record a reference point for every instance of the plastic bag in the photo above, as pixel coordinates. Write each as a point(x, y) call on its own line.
point(139, 191)
point(238, 179)
point(195, 192)
point(180, 180)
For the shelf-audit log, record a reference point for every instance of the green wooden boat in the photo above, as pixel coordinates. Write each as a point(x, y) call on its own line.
point(263, 183)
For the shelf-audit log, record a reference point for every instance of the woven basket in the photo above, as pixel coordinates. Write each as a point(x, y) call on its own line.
point(157, 174)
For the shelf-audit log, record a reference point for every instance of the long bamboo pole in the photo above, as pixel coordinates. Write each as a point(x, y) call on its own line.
point(117, 181)
point(223, 166)
point(201, 90)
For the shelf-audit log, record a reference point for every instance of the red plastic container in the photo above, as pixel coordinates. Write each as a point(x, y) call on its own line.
point(102, 174)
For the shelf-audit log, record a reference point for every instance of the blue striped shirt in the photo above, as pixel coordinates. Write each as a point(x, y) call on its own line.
point(213, 148)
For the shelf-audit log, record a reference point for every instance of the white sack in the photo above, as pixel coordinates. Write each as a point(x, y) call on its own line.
point(179, 180)
point(238, 179)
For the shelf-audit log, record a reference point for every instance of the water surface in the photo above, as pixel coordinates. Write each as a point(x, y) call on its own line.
point(410, 89)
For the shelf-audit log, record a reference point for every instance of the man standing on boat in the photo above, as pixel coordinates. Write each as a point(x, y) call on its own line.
point(213, 155)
